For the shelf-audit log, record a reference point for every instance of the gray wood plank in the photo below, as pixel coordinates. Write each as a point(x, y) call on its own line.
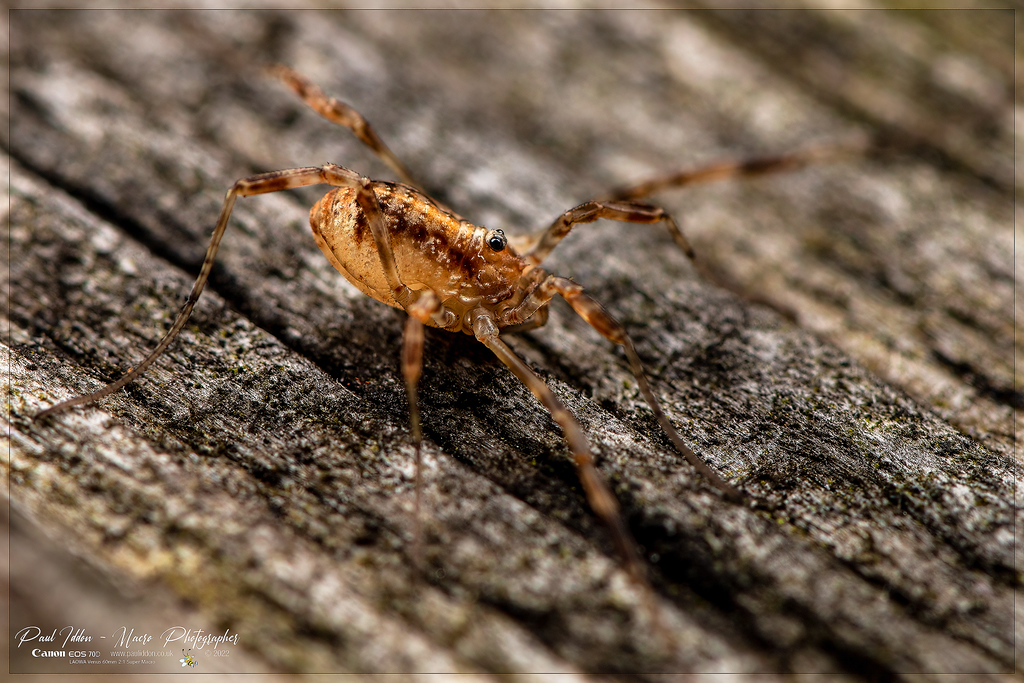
point(262, 472)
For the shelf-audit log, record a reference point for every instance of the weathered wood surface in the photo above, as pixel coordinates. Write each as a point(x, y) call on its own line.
point(261, 476)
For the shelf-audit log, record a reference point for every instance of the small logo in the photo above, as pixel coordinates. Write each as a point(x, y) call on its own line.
point(187, 659)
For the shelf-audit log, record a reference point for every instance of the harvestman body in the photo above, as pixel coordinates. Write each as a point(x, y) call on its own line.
point(400, 247)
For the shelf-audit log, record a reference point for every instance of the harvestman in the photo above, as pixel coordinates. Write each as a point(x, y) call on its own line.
point(404, 249)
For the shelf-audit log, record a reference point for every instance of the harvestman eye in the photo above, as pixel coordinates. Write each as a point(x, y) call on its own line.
point(497, 240)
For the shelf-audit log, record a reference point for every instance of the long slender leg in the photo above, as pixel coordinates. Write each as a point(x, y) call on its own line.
point(744, 168)
point(263, 183)
point(601, 499)
point(539, 246)
point(592, 311)
point(420, 312)
point(338, 112)
point(621, 205)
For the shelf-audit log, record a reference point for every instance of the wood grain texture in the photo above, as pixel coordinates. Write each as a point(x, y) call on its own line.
point(261, 475)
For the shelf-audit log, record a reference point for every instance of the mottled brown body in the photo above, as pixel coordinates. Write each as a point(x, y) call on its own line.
point(433, 249)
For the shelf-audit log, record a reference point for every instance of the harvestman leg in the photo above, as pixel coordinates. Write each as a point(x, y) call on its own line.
point(420, 311)
point(728, 170)
point(262, 183)
point(547, 287)
point(539, 246)
point(598, 318)
point(621, 205)
point(600, 498)
point(336, 111)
